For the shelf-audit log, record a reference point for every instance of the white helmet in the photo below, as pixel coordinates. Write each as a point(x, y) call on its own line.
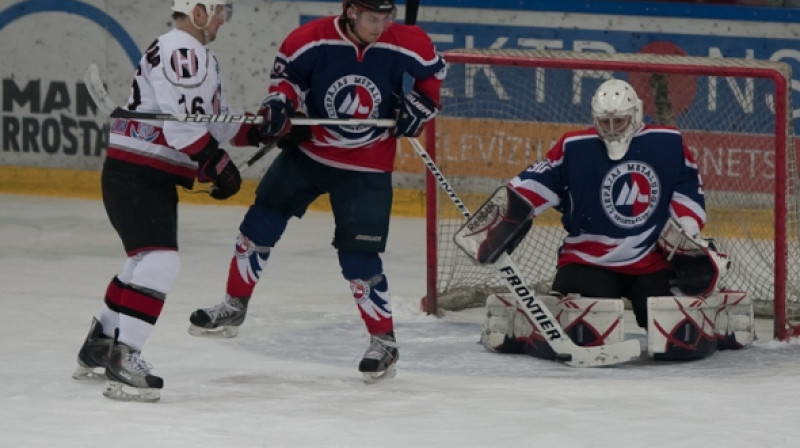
point(617, 113)
point(186, 7)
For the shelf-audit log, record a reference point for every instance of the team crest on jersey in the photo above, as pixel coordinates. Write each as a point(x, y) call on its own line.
point(630, 193)
point(184, 62)
point(353, 96)
point(144, 131)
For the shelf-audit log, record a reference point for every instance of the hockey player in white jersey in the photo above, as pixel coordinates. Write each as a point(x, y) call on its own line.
point(145, 161)
point(629, 194)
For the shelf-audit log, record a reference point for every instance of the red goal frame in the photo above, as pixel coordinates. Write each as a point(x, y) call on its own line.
point(776, 72)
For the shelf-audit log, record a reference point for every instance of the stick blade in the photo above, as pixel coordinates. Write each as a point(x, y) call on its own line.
point(96, 89)
point(605, 355)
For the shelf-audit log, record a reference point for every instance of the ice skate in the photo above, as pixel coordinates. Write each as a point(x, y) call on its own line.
point(219, 321)
point(94, 353)
point(128, 376)
point(380, 360)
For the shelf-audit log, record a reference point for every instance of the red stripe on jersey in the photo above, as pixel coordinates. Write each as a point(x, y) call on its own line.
point(680, 210)
point(652, 262)
point(198, 145)
point(148, 160)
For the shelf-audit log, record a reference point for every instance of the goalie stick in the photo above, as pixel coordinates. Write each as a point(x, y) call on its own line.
point(566, 350)
point(96, 89)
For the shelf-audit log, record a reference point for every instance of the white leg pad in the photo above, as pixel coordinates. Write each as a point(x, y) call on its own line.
point(689, 327)
point(735, 324)
point(682, 327)
point(499, 322)
point(588, 321)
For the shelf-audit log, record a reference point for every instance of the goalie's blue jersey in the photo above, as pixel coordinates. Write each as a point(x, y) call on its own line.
point(614, 210)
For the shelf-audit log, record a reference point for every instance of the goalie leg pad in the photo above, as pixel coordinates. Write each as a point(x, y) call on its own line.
point(508, 330)
point(587, 321)
point(682, 327)
point(498, 323)
point(735, 324)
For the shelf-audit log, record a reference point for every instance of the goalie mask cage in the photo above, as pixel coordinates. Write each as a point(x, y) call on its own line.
point(503, 109)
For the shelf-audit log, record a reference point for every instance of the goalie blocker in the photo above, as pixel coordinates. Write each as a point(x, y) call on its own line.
point(498, 226)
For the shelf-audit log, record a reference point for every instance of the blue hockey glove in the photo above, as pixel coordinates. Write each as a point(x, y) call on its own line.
point(276, 111)
point(416, 110)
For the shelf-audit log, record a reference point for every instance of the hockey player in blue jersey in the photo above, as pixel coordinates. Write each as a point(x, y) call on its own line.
point(621, 186)
point(349, 66)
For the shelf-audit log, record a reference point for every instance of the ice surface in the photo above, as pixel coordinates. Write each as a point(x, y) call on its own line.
point(290, 378)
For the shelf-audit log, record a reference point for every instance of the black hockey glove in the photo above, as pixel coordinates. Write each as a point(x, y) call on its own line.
point(220, 169)
point(415, 110)
point(276, 111)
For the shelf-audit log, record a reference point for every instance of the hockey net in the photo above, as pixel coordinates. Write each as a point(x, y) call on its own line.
point(503, 109)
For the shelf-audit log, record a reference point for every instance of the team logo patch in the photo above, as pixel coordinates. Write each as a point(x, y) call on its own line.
point(629, 193)
point(243, 248)
point(119, 126)
point(184, 62)
point(353, 96)
point(144, 131)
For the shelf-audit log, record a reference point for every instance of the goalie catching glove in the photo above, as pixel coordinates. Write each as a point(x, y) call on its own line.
point(698, 265)
point(215, 165)
point(415, 110)
point(498, 226)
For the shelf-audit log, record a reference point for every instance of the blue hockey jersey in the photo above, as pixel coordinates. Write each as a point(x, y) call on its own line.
point(326, 75)
point(614, 210)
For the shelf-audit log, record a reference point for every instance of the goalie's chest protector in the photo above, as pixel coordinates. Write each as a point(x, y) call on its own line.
point(627, 197)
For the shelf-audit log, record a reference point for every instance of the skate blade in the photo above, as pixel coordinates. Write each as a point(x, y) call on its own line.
point(219, 332)
point(374, 377)
point(115, 390)
point(88, 374)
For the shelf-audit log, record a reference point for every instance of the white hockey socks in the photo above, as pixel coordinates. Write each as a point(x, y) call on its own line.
point(688, 327)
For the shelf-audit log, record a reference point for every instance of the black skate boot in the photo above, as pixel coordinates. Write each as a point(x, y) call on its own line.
point(380, 359)
point(128, 376)
point(221, 320)
point(94, 353)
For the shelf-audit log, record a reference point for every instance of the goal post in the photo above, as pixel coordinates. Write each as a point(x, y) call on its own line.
point(503, 109)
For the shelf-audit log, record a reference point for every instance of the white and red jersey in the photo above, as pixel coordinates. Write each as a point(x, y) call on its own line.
point(325, 75)
point(176, 75)
point(614, 210)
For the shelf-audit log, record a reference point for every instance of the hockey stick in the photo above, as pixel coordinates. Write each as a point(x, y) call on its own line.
point(537, 312)
point(96, 89)
point(412, 7)
point(262, 151)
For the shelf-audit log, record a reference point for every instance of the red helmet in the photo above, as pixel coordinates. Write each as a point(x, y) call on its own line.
point(372, 5)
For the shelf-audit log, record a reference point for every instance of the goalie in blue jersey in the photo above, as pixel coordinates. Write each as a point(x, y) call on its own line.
point(633, 206)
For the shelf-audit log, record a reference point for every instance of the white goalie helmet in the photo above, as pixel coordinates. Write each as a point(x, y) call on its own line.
point(617, 113)
point(186, 7)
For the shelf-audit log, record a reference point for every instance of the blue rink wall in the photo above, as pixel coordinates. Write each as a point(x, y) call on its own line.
point(53, 140)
